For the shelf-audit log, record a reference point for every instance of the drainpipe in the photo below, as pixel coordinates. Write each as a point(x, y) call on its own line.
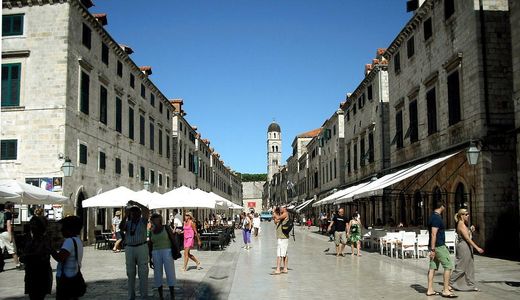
point(484, 60)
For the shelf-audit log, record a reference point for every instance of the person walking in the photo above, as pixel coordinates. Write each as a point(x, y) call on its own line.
point(116, 231)
point(439, 253)
point(246, 230)
point(463, 277)
point(36, 258)
point(281, 217)
point(338, 227)
point(190, 234)
point(256, 224)
point(69, 257)
point(134, 224)
point(354, 234)
point(7, 235)
point(160, 250)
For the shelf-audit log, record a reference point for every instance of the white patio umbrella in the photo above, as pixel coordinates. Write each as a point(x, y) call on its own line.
point(227, 203)
point(117, 197)
point(184, 197)
point(28, 194)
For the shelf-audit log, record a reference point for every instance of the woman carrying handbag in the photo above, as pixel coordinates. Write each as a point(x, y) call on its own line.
point(69, 280)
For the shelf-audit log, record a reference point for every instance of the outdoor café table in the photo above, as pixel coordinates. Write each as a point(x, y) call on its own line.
point(206, 238)
point(110, 240)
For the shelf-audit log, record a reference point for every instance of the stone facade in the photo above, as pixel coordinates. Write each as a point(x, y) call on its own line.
point(253, 196)
point(514, 7)
point(466, 63)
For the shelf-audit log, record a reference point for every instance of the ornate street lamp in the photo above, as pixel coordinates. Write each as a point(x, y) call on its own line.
point(67, 167)
point(472, 154)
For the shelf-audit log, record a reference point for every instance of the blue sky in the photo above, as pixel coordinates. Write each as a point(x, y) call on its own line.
point(239, 64)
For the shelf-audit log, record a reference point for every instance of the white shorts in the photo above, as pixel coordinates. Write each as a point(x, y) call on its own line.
point(5, 241)
point(281, 250)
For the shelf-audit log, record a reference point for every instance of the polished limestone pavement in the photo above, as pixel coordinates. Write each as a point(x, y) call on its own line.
point(314, 273)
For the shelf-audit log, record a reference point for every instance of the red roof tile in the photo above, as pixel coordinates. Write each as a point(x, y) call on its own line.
point(310, 134)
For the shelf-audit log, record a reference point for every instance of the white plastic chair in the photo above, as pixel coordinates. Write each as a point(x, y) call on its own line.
point(451, 237)
point(423, 232)
point(422, 244)
point(406, 244)
point(388, 242)
point(366, 239)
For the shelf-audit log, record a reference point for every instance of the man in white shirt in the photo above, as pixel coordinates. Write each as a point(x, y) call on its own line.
point(256, 224)
point(177, 220)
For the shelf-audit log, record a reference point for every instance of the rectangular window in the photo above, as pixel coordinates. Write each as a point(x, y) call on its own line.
point(348, 160)
point(152, 177)
point(131, 170)
point(11, 74)
point(431, 105)
point(142, 174)
point(370, 93)
point(143, 91)
point(160, 142)
point(449, 8)
point(371, 147)
point(104, 53)
point(167, 181)
point(354, 109)
point(132, 81)
point(82, 154)
point(152, 136)
point(12, 25)
point(160, 107)
point(427, 29)
point(142, 134)
point(160, 179)
point(355, 157)
point(414, 124)
point(119, 69)
point(102, 160)
point(9, 149)
point(84, 93)
point(131, 123)
point(118, 165)
point(119, 115)
point(399, 129)
point(103, 105)
point(397, 63)
point(152, 99)
point(335, 168)
point(86, 36)
point(410, 47)
point(167, 145)
point(453, 98)
point(362, 151)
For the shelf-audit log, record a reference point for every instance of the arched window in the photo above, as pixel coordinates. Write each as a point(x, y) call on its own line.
point(275, 162)
point(402, 208)
point(273, 148)
point(274, 135)
point(417, 206)
point(276, 147)
point(460, 197)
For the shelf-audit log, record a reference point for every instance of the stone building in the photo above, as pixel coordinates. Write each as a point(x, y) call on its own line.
point(252, 196)
point(185, 169)
point(450, 84)
point(514, 8)
point(70, 91)
point(332, 158)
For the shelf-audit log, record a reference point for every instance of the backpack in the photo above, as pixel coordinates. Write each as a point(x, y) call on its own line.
point(2, 221)
point(288, 226)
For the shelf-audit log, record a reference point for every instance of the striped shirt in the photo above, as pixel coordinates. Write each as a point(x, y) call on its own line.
point(136, 232)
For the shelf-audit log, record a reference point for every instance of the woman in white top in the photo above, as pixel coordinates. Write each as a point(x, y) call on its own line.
point(68, 262)
point(246, 230)
point(256, 224)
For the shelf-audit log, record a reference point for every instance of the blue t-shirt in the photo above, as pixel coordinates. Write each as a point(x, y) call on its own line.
point(436, 221)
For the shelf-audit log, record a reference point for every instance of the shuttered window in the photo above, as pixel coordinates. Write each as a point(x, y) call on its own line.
point(9, 149)
point(11, 74)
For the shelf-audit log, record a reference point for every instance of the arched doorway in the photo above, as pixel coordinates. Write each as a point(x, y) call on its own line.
point(402, 209)
point(460, 199)
point(82, 213)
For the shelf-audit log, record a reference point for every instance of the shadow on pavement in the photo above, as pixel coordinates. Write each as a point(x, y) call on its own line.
point(117, 289)
point(419, 288)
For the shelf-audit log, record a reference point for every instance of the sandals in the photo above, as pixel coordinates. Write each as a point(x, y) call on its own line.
point(275, 273)
point(450, 295)
point(433, 294)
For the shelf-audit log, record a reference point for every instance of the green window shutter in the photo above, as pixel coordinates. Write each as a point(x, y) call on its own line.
point(84, 93)
point(8, 149)
point(83, 154)
point(12, 25)
point(11, 84)
point(119, 114)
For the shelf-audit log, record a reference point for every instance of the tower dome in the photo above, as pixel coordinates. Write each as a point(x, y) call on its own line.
point(274, 127)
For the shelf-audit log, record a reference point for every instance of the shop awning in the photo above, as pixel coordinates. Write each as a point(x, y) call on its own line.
point(303, 205)
point(376, 187)
point(340, 194)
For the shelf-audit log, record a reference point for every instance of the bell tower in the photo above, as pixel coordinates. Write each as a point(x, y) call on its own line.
point(274, 149)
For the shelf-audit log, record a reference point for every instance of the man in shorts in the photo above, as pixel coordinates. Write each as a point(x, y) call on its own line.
point(439, 253)
point(7, 233)
point(339, 227)
point(281, 217)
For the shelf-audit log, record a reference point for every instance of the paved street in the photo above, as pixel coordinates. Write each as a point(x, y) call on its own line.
point(237, 273)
